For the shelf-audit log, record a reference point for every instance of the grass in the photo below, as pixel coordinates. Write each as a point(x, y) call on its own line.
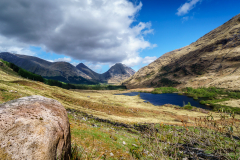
point(93, 139)
point(98, 138)
point(206, 137)
point(212, 96)
point(164, 90)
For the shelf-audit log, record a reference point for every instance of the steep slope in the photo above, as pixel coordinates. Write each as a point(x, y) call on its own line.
point(83, 68)
point(213, 60)
point(62, 71)
point(115, 74)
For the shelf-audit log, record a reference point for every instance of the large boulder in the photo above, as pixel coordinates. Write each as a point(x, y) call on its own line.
point(34, 128)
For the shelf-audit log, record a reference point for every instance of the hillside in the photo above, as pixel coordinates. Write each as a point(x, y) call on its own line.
point(66, 72)
point(213, 60)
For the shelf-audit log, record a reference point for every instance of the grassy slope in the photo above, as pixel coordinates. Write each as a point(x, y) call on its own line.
point(105, 138)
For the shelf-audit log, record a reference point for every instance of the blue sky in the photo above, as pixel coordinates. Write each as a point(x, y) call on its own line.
point(100, 33)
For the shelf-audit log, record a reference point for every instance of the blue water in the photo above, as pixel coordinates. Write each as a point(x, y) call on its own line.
point(167, 98)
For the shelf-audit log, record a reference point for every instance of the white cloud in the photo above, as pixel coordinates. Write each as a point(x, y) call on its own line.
point(18, 50)
point(148, 59)
point(49, 60)
point(74, 63)
point(12, 46)
point(132, 61)
point(98, 31)
point(185, 19)
point(97, 67)
point(65, 59)
point(186, 7)
point(138, 60)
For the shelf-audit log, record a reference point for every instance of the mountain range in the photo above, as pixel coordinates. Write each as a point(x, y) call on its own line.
point(213, 60)
point(66, 72)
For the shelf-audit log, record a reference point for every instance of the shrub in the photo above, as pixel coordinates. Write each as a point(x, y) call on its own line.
point(168, 82)
point(164, 90)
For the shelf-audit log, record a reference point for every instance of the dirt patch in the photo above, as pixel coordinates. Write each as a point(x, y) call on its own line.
point(141, 89)
point(232, 103)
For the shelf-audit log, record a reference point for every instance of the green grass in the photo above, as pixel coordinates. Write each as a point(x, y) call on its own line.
point(97, 137)
point(208, 96)
point(164, 90)
point(153, 141)
point(212, 96)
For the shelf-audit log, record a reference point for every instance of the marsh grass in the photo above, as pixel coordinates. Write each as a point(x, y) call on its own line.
point(205, 138)
point(164, 90)
point(207, 96)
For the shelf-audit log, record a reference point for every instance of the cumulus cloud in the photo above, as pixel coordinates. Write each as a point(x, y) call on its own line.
point(148, 60)
point(186, 7)
point(65, 59)
point(97, 67)
point(138, 60)
point(90, 30)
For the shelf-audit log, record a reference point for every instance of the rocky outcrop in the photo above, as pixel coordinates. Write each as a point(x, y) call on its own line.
point(213, 60)
point(34, 127)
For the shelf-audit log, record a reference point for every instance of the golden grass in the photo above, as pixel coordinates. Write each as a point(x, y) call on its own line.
point(103, 104)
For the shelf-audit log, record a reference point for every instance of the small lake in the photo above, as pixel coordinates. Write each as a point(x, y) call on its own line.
point(167, 98)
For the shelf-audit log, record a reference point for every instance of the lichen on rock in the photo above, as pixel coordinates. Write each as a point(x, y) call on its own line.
point(34, 127)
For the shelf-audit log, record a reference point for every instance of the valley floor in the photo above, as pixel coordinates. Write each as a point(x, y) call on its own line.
point(104, 105)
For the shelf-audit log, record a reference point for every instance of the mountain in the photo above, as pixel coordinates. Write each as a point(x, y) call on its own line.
point(83, 68)
point(213, 60)
point(61, 71)
point(66, 72)
point(115, 74)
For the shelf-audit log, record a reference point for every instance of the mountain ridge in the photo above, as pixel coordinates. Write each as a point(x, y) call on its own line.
point(64, 71)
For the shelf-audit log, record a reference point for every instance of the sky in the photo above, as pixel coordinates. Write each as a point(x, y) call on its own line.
point(100, 33)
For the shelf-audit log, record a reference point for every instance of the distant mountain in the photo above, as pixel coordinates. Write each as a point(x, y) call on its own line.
point(83, 68)
point(66, 72)
point(61, 71)
point(118, 73)
point(213, 60)
point(115, 74)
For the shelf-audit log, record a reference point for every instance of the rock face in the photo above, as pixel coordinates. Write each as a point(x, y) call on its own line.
point(213, 60)
point(34, 128)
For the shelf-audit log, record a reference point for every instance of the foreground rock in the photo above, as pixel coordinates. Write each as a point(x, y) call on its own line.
point(34, 128)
